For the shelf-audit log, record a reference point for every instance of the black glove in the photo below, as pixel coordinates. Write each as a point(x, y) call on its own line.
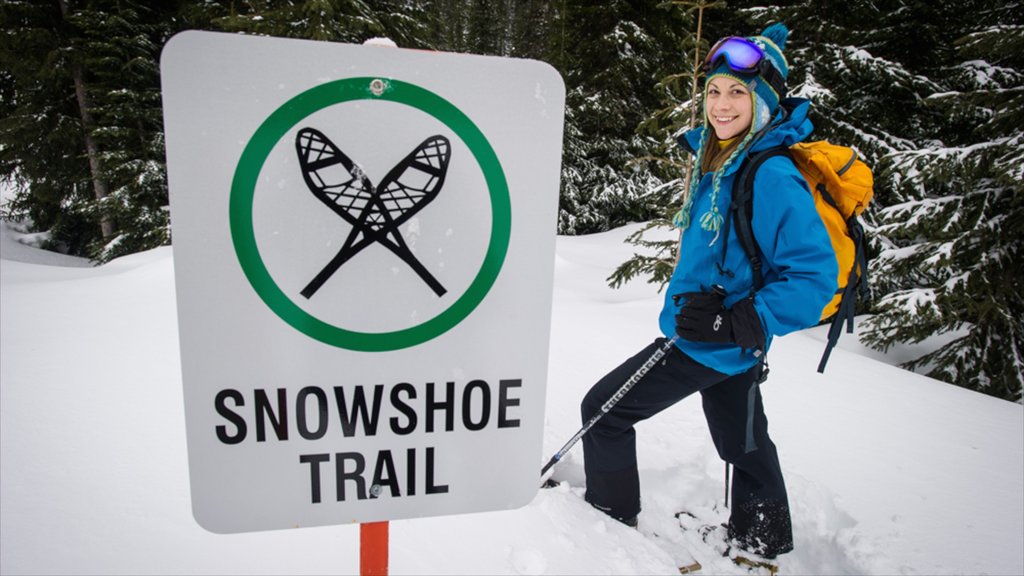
point(704, 318)
point(747, 330)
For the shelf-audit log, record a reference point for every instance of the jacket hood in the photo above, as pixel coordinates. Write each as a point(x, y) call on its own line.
point(789, 126)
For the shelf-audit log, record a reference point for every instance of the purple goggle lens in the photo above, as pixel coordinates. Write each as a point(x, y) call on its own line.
point(740, 54)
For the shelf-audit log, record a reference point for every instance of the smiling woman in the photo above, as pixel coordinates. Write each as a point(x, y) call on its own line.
point(720, 323)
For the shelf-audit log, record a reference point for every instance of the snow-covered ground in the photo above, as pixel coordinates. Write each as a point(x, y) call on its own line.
point(889, 472)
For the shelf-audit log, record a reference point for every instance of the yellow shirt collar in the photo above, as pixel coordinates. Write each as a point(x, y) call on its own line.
point(723, 144)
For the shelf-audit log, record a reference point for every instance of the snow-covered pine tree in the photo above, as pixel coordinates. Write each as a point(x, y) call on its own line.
point(83, 140)
point(41, 149)
point(332, 20)
point(930, 95)
point(612, 50)
point(487, 26)
point(447, 29)
point(954, 241)
point(861, 96)
point(121, 46)
point(535, 30)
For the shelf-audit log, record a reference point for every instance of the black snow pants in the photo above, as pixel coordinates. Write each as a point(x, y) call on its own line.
point(760, 518)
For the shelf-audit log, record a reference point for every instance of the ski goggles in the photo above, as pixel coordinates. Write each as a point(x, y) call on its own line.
point(745, 57)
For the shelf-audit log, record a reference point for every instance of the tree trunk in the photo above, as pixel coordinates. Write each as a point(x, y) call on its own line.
point(693, 113)
point(99, 185)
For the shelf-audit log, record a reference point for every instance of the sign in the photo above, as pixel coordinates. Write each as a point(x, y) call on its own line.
point(364, 253)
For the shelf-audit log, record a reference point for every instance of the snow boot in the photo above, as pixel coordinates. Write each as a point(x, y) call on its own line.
point(717, 536)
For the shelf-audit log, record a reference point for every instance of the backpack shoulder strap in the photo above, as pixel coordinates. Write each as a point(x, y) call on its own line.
point(742, 207)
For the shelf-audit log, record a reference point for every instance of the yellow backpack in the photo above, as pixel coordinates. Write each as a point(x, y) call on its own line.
point(842, 186)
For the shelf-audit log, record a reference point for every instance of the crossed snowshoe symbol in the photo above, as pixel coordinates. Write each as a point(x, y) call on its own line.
point(375, 212)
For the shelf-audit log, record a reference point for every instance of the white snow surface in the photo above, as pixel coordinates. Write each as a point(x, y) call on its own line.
point(889, 472)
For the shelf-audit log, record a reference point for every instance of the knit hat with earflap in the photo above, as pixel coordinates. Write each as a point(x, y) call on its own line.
point(765, 99)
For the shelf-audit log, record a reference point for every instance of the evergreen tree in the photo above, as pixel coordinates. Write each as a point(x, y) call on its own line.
point(331, 20)
point(536, 31)
point(40, 123)
point(930, 94)
point(954, 241)
point(82, 139)
point(487, 27)
point(616, 48)
point(123, 41)
point(519, 28)
point(449, 26)
point(81, 134)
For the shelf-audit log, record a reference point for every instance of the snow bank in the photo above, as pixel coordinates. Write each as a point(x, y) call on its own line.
point(889, 472)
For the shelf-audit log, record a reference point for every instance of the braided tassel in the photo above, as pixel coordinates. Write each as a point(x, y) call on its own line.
point(682, 217)
point(712, 221)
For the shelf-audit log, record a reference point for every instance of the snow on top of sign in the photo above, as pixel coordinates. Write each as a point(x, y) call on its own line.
point(380, 42)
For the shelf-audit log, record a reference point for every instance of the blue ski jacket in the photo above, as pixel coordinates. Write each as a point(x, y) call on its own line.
point(799, 264)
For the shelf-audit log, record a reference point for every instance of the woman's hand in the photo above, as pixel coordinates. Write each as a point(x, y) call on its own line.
point(704, 318)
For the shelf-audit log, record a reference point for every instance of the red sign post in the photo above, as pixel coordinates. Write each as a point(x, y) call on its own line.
point(373, 549)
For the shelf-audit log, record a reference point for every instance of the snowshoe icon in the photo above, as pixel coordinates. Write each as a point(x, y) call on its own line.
point(374, 212)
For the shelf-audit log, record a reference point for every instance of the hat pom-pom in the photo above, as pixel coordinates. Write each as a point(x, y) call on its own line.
point(777, 33)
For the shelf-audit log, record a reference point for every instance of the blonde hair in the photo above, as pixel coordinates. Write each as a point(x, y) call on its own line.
point(717, 154)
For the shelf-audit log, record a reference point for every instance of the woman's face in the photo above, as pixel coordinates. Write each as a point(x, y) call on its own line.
point(728, 106)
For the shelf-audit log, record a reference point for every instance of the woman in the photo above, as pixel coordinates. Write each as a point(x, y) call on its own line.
point(725, 328)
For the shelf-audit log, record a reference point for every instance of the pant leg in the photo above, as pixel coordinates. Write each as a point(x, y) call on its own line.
point(609, 448)
point(760, 519)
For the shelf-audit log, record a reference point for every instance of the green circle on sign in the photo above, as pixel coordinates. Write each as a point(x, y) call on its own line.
point(243, 187)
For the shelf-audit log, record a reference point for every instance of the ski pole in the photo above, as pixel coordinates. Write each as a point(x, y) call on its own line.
point(640, 373)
